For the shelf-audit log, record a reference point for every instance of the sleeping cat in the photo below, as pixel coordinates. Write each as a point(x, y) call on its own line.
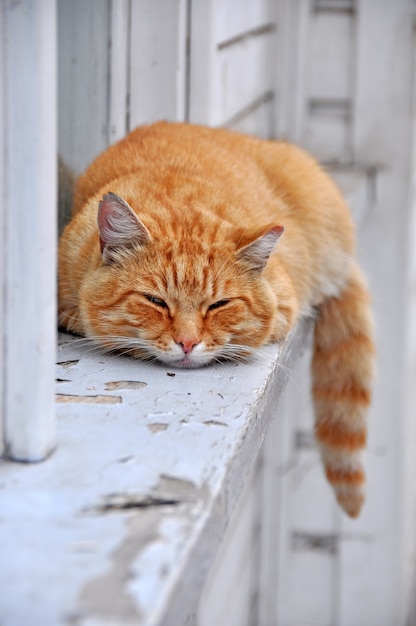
point(191, 245)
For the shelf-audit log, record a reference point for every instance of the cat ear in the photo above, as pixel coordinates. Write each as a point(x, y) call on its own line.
point(256, 253)
point(119, 227)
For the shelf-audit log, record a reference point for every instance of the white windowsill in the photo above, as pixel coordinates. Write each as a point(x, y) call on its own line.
point(122, 523)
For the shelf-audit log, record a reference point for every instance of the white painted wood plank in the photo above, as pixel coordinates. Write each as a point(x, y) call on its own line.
point(409, 576)
point(30, 312)
point(131, 508)
point(291, 68)
point(244, 75)
point(296, 500)
point(383, 58)
point(230, 587)
point(331, 55)
point(309, 585)
point(158, 79)
point(234, 17)
point(376, 563)
point(357, 186)
point(230, 77)
point(314, 78)
point(297, 497)
point(204, 86)
point(2, 239)
point(306, 508)
point(313, 506)
point(328, 83)
point(119, 68)
point(83, 71)
point(275, 513)
point(258, 120)
point(326, 134)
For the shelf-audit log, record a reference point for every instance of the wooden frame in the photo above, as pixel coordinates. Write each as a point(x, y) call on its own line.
point(29, 228)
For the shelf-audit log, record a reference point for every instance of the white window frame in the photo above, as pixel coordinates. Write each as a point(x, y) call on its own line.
point(28, 226)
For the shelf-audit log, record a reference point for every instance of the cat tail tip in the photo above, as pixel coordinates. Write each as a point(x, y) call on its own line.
point(349, 488)
point(352, 504)
point(342, 377)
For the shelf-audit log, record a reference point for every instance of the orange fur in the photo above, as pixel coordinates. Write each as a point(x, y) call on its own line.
point(188, 264)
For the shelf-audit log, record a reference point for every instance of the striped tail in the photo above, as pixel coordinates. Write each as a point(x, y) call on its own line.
point(342, 374)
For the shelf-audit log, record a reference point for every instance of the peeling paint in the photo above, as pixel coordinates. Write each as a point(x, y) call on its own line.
point(107, 597)
point(124, 384)
point(127, 459)
point(84, 547)
point(176, 487)
point(328, 542)
point(99, 399)
point(157, 428)
point(68, 364)
point(169, 491)
point(116, 502)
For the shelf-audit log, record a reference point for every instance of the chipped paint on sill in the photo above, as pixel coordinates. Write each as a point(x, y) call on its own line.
point(125, 384)
point(98, 399)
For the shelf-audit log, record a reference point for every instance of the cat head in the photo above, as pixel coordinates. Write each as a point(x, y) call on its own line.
point(184, 292)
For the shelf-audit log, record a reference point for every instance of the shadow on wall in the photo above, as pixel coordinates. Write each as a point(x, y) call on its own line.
point(66, 183)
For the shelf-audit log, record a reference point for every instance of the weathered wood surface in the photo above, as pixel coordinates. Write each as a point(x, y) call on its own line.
point(121, 525)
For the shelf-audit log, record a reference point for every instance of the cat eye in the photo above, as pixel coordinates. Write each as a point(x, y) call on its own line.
point(155, 300)
point(218, 304)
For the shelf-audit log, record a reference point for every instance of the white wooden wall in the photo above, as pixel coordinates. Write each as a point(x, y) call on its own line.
point(2, 244)
point(336, 76)
point(206, 62)
point(355, 113)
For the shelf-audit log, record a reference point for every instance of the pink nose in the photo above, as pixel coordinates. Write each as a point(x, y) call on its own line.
point(187, 345)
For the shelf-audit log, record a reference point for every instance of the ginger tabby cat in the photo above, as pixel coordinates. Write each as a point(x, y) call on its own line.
point(209, 244)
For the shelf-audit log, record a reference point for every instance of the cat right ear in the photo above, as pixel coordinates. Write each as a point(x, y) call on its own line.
point(119, 227)
point(257, 252)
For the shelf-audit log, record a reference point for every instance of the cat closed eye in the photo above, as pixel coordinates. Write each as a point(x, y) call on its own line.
point(218, 304)
point(155, 300)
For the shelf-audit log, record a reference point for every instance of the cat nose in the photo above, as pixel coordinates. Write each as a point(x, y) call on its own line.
point(187, 345)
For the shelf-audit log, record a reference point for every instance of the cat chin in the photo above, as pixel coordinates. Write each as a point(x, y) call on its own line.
point(188, 361)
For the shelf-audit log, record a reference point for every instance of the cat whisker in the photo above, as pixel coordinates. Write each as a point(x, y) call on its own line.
point(111, 344)
point(234, 353)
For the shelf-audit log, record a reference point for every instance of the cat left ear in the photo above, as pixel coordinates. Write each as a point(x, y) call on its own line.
point(119, 227)
point(256, 254)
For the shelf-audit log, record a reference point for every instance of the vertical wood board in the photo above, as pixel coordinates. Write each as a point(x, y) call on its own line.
point(83, 88)
point(256, 120)
point(331, 56)
point(293, 34)
point(204, 86)
point(232, 69)
point(373, 566)
point(326, 134)
point(119, 69)
point(2, 240)
point(409, 477)
point(307, 581)
point(244, 75)
point(158, 65)
point(30, 310)
point(236, 17)
point(229, 587)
